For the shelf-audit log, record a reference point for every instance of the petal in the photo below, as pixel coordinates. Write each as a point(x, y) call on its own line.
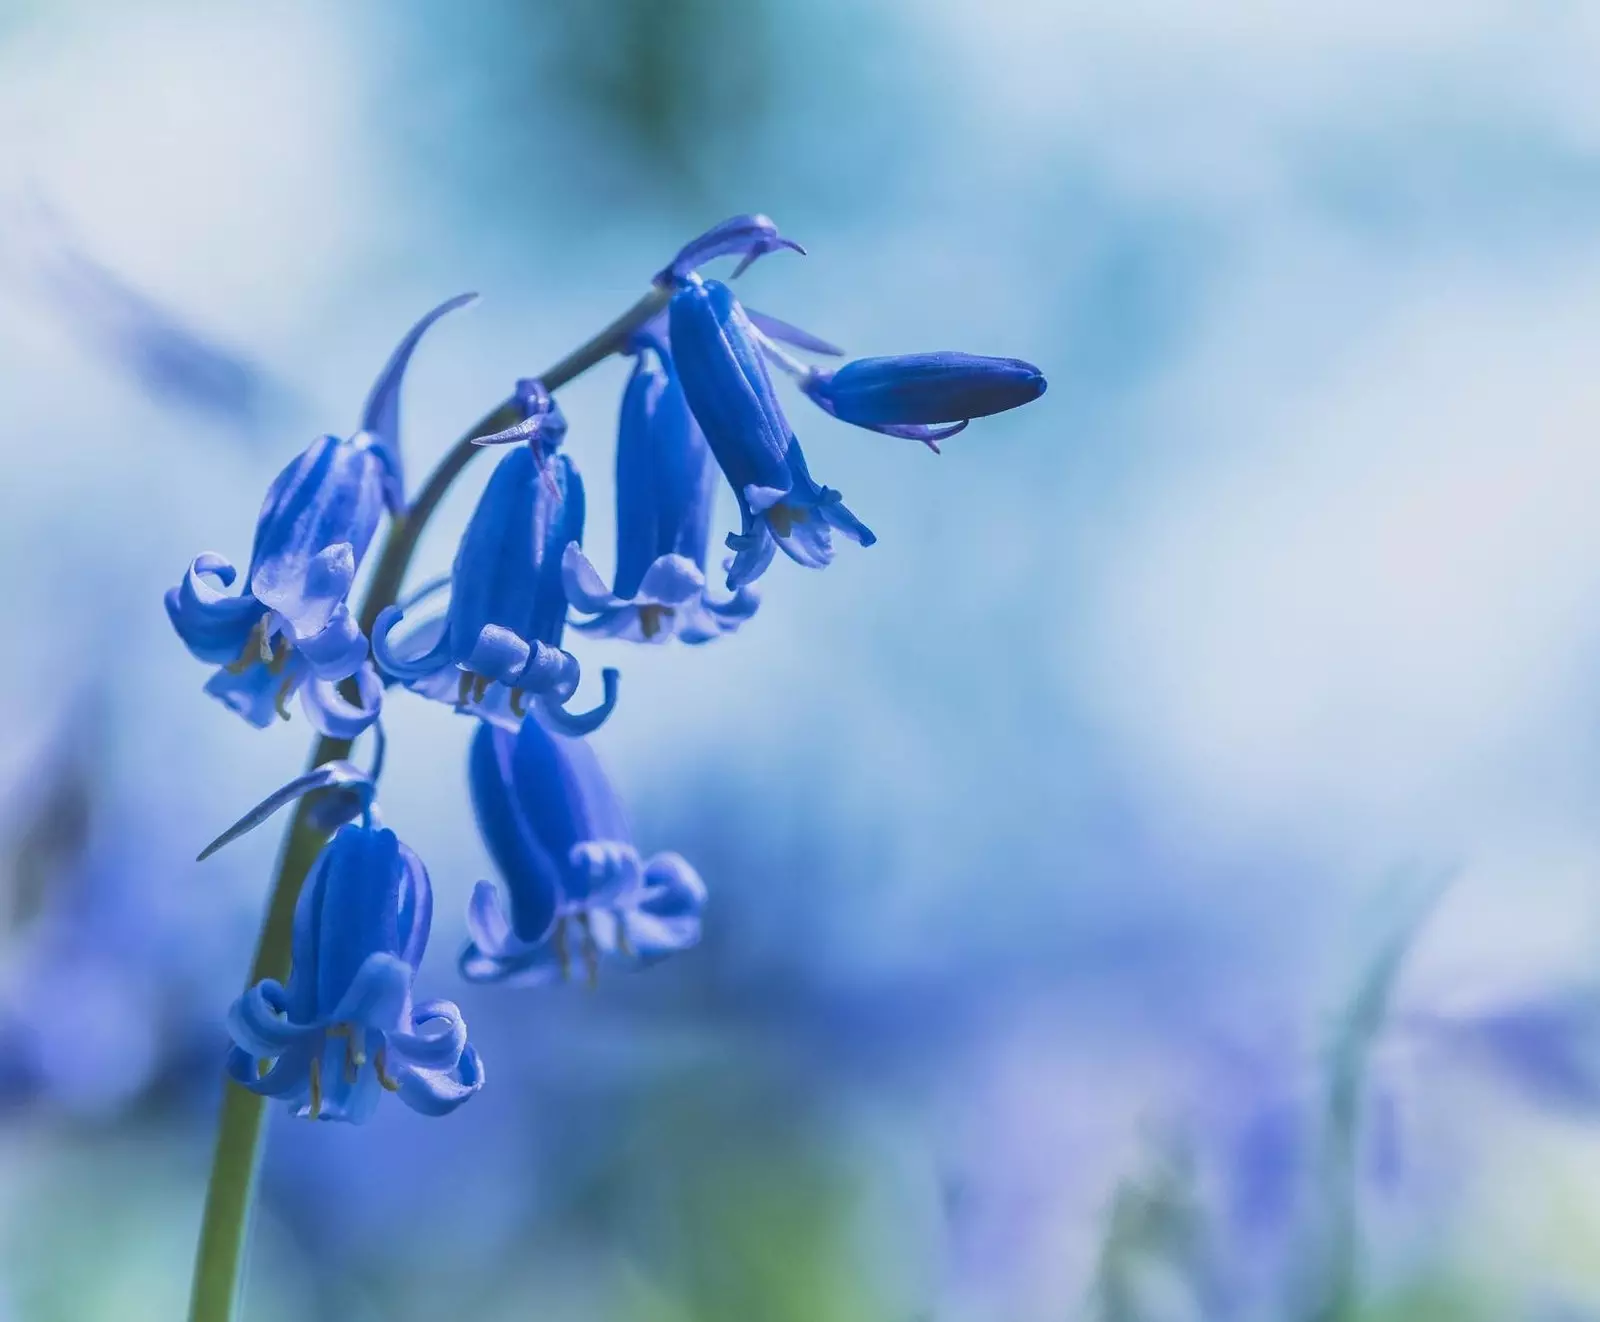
point(437, 1038)
point(257, 1021)
point(673, 887)
point(602, 872)
point(378, 995)
point(289, 1076)
point(487, 925)
point(428, 658)
point(380, 415)
point(213, 625)
point(432, 1092)
point(706, 619)
point(258, 694)
point(339, 650)
point(315, 526)
point(753, 551)
point(332, 715)
point(530, 866)
point(729, 390)
point(498, 654)
point(578, 724)
point(586, 590)
point(671, 580)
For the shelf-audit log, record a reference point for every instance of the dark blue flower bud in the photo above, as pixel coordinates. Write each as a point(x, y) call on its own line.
point(924, 396)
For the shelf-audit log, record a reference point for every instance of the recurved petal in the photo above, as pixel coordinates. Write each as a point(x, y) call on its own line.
point(752, 549)
point(424, 653)
point(258, 1022)
point(331, 714)
point(603, 872)
point(586, 590)
point(488, 928)
point(578, 724)
point(380, 415)
point(214, 625)
point(338, 774)
point(288, 1077)
point(437, 1037)
point(339, 651)
point(438, 1092)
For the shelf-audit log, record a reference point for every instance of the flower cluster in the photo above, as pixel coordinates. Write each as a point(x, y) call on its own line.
point(343, 1027)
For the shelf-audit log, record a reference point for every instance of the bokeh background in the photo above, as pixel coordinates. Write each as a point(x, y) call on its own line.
point(1158, 881)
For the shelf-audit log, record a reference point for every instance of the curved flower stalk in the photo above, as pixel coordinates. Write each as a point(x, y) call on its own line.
point(499, 643)
point(925, 397)
point(730, 392)
point(578, 890)
point(666, 481)
point(291, 628)
point(344, 1029)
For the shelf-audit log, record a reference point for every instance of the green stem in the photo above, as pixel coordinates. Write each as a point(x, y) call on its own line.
point(219, 1260)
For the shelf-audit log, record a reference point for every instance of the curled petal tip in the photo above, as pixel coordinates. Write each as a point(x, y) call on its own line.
point(748, 236)
point(578, 724)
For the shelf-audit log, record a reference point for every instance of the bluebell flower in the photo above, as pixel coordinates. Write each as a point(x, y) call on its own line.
point(291, 628)
point(923, 396)
point(499, 643)
point(666, 482)
point(578, 890)
point(345, 1028)
point(730, 392)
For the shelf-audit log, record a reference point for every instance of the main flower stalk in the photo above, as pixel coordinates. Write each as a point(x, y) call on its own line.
point(231, 1192)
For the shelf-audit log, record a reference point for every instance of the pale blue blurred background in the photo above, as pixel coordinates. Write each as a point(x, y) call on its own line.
point(1044, 836)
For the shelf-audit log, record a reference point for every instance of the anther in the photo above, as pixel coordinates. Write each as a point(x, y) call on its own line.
point(651, 617)
point(463, 688)
point(519, 703)
point(563, 956)
point(315, 1110)
point(251, 649)
point(284, 690)
point(480, 686)
point(382, 1066)
point(590, 949)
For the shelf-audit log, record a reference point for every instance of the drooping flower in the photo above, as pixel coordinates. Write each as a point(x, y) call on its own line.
point(923, 396)
point(666, 481)
point(730, 392)
point(499, 643)
point(345, 1028)
point(578, 890)
point(291, 627)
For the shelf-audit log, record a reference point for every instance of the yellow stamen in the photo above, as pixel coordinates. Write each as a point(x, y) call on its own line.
point(480, 686)
point(782, 518)
point(279, 658)
point(519, 703)
point(382, 1067)
point(251, 649)
point(316, 1088)
point(263, 643)
point(463, 688)
point(563, 956)
point(651, 617)
point(263, 1066)
point(590, 948)
point(284, 689)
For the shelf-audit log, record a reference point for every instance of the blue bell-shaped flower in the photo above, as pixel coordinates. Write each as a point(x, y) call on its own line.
point(666, 483)
point(578, 890)
point(291, 628)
